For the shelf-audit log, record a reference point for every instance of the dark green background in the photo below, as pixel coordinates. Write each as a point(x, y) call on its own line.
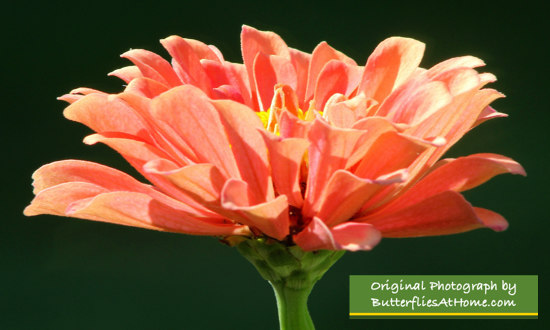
point(61, 273)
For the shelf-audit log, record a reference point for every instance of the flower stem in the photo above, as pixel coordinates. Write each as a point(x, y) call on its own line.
point(292, 306)
point(292, 273)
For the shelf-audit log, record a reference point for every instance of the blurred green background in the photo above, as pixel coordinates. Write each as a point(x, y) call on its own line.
point(58, 273)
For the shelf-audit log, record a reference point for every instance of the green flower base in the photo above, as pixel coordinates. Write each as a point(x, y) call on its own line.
point(292, 273)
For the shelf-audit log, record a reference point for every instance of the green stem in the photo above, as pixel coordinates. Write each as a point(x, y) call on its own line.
point(292, 273)
point(292, 306)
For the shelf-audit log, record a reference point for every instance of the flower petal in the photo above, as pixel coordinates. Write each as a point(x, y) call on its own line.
point(242, 127)
point(457, 175)
point(329, 151)
point(187, 63)
point(137, 209)
point(104, 113)
point(392, 62)
point(442, 214)
point(285, 158)
point(321, 55)
point(344, 195)
point(350, 236)
point(186, 109)
point(270, 217)
point(335, 77)
point(153, 66)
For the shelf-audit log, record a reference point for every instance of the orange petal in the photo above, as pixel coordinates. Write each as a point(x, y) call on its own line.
point(146, 87)
point(442, 214)
point(242, 127)
point(186, 109)
point(104, 113)
point(253, 42)
point(457, 175)
point(55, 199)
point(285, 158)
point(153, 66)
point(321, 55)
point(270, 217)
point(187, 63)
point(392, 151)
point(109, 179)
point(335, 77)
point(329, 151)
point(292, 126)
point(392, 62)
point(140, 210)
point(301, 61)
point(355, 236)
point(202, 182)
point(127, 73)
point(350, 236)
point(269, 70)
point(345, 194)
point(488, 113)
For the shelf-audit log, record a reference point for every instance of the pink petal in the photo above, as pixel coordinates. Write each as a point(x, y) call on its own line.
point(153, 66)
point(270, 217)
point(488, 113)
point(392, 152)
point(335, 77)
point(301, 61)
point(350, 236)
point(242, 127)
point(457, 175)
point(268, 72)
point(165, 138)
point(329, 151)
point(321, 55)
point(140, 210)
point(442, 214)
point(103, 113)
point(202, 182)
point(253, 42)
point(188, 68)
point(216, 71)
point(146, 87)
point(55, 199)
point(186, 109)
point(127, 73)
point(292, 126)
point(344, 195)
point(392, 62)
point(355, 236)
point(491, 219)
point(285, 158)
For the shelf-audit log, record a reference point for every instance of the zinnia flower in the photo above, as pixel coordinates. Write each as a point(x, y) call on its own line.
point(307, 149)
point(286, 153)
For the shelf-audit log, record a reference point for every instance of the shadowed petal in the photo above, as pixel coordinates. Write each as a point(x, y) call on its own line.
point(457, 175)
point(321, 55)
point(137, 209)
point(186, 109)
point(351, 236)
point(335, 77)
point(329, 151)
point(442, 214)
point(285, 158)
point(242, 127)
point(270, 217)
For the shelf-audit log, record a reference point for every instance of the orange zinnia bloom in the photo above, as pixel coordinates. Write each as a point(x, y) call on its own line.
point(308, 149)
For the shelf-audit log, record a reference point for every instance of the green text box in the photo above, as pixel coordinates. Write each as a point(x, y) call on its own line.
point(443, 296)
